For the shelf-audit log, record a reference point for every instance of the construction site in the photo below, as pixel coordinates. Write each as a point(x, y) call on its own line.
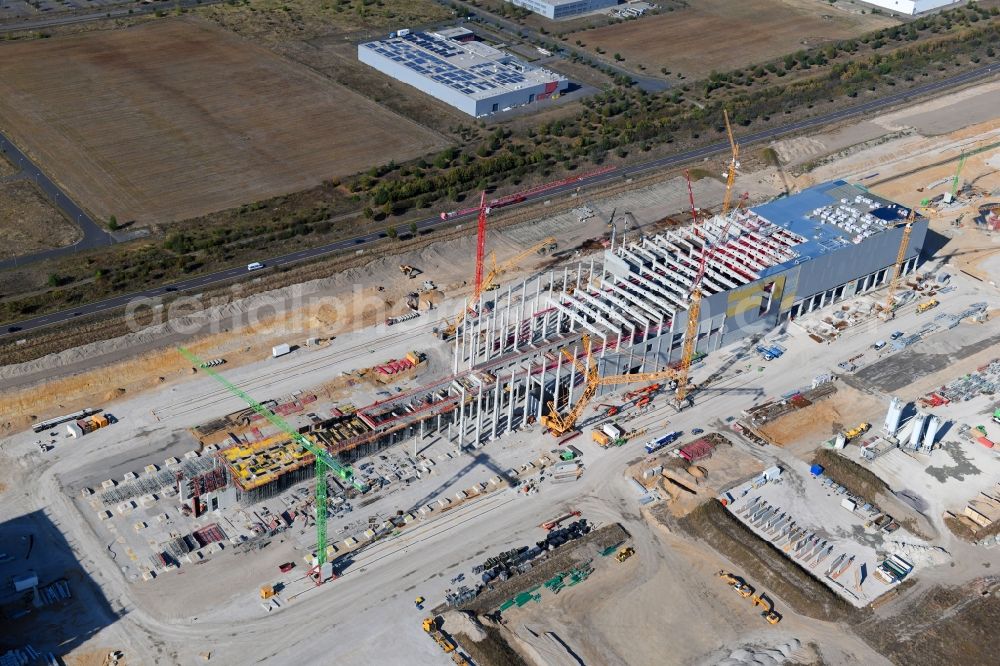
point(794, 399)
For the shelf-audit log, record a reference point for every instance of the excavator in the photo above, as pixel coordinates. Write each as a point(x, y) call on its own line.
point(559, 424)
point(768, 613)
point(625, 553)
point(737, 584)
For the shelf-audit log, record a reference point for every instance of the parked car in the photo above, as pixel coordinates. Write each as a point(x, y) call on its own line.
point(896, 335)
point(879, 345)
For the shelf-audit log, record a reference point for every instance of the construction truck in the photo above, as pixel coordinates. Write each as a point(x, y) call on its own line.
point(737, 584)
point(625, 553)
point(927, 305)
point(857, 431)
point(768, 613)
point(432, 625)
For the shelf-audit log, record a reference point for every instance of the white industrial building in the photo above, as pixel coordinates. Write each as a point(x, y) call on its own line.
point(471, 76)
point(559, 9)
point(911, 7)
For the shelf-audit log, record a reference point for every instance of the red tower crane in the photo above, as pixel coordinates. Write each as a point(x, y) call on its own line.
point(481, 243)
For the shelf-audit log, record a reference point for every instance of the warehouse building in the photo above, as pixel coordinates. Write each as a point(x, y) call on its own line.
point(469, 75)
point(560, 9)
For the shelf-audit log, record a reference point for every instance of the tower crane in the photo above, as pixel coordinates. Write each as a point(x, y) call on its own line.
point(694, 209)
point(694, 302)
point(888, 311)
point(559, 424)
point(488, 281)
point(542, 247)
point(480, 242)
point(955, 181)
point(324, 461)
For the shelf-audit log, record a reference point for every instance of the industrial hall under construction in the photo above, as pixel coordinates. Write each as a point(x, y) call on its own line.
point(537, 350)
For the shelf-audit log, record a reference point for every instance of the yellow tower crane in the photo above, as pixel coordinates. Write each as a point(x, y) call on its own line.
point(694, 302)
point(888, 311)
point(542, 247)
point(559, 424)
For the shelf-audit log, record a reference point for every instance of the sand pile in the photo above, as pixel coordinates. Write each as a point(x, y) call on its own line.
point(765, 656)
point(918, 554)
point(463, 622)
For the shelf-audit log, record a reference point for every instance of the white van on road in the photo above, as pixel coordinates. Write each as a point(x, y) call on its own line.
point(255, 266)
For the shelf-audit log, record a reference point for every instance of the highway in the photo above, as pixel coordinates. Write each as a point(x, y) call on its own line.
point(360, 242)
point(122, 10)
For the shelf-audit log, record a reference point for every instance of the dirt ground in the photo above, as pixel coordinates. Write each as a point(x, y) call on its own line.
point(707, 478)
point(946, 625)
point(175, 118)
point(28, 222)
point(805, 428)
point(6, 168)
point(690, 40)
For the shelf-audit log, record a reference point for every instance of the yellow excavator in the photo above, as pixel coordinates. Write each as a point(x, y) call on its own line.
point(768, 613)
point(625, 553)
point(737, 584)
point(559, 424)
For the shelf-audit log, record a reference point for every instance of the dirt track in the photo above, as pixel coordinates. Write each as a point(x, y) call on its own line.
point(176, 118)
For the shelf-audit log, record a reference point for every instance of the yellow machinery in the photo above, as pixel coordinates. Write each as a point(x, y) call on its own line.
point(768, 613)
point(857, 431)
point(927, 305)
point(267, 591)
point(541, 248)
point(694, 303)
point(737, 584)
point(489, 282)
point(890, 300)
point(559, 424)
point(432, 626)
point(408, 271)
point(625, 553)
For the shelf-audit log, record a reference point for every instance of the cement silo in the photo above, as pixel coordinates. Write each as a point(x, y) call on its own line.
point(933, 424)
point(918, 427)
point(893, 416)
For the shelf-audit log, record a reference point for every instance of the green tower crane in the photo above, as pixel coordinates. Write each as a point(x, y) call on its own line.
point(324, 461)
point(958, 172)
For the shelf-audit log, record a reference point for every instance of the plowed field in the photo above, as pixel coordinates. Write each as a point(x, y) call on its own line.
point(176, 118)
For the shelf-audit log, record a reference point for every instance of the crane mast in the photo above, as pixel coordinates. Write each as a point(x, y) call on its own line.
point(694, 302)
point(487, 283)
point(324, 461)
point(480, 243)
point(559, 424)
point(888, 312)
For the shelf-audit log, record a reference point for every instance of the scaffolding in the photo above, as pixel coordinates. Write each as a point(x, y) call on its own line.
point(148, 484)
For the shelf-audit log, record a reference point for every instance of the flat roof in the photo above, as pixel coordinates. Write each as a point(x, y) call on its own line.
point(474, 69)
point(830, 216)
